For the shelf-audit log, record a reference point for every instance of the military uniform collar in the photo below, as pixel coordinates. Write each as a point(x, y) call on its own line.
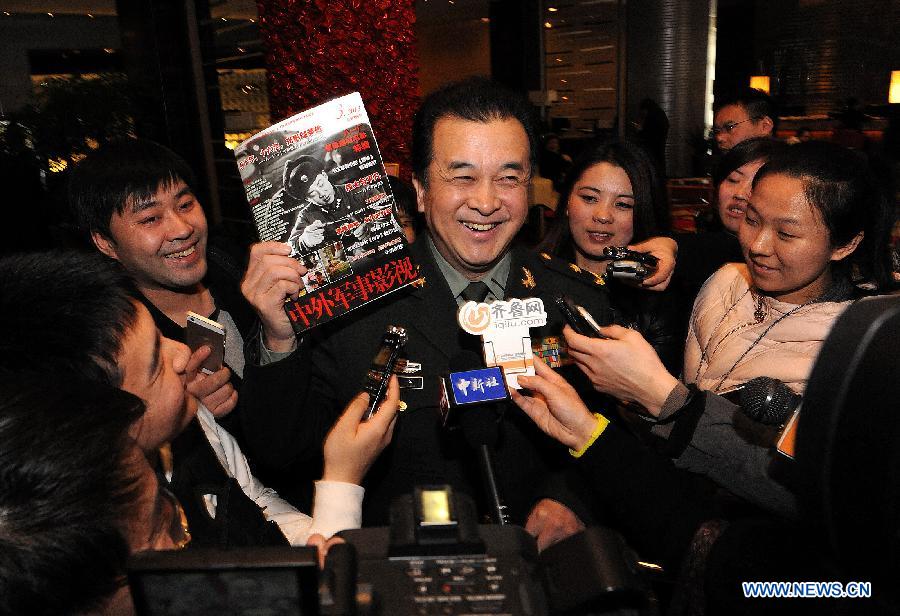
point(495, 278)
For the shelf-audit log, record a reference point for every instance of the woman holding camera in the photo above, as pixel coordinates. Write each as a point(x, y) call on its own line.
point(816, 218)
point(613, 197)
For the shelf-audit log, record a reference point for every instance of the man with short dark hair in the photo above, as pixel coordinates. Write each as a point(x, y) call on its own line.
point(474, 152)
point(72, 314)
point(69, 494)
point(749, 113)
point(135, 202)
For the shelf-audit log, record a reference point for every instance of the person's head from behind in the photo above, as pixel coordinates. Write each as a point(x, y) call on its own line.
point(72, 314)
point(135, 200)
point(473, 152)
point(404, 207)
point(733, 178)
point(614, 197)
point(814, 212)
point(70, 483)
point(749, 113)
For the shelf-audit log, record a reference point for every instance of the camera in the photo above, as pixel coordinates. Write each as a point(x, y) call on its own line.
point(436, 558)
point(629, 264)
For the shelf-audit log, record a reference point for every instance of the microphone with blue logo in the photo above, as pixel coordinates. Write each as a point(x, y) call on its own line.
point(472, 400)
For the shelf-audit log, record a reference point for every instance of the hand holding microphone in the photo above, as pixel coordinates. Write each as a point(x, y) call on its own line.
point(555, 407)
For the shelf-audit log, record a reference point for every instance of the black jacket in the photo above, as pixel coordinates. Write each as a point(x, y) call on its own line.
point(337, 360)
point(196, 474)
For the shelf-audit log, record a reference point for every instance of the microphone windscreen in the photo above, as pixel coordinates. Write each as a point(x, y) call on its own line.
point(768, 401)
point(478, 421)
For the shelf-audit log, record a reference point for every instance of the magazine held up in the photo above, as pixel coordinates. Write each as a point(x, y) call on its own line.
point(316, 181)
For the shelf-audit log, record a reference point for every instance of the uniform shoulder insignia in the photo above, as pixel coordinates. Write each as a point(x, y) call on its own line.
point(570, 270)
point(528, 280)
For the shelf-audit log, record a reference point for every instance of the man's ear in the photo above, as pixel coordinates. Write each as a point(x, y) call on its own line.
point(420, 195)
point(767, 126)
point(104, 244)
point(847, 249)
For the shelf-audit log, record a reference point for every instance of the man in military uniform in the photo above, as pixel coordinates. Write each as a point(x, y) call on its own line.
point(473, 156)
point(326, 208)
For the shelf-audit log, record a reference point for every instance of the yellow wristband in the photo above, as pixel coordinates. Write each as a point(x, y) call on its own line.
point(602, 422)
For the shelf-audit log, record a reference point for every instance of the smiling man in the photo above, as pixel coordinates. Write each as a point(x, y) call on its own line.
point(135, 202)
point(473, 155)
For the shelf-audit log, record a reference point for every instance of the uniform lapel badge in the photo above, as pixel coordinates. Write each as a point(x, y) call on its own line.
point(404, 371)
point(528, 280)
point(410, 367)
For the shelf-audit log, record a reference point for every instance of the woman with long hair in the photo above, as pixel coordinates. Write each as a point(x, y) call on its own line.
point(614, 197)
point(701, 254)
point(816, 222)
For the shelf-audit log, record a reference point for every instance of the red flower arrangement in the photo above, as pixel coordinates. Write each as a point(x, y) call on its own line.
point(319, 49)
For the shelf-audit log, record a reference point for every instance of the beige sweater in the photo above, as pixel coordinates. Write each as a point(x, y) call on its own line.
point(718, 336)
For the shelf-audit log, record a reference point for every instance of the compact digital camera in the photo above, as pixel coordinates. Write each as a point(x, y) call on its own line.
point(629, 264)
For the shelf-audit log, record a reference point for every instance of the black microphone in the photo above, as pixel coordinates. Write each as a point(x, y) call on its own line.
point(480, 421)
point(768, 401)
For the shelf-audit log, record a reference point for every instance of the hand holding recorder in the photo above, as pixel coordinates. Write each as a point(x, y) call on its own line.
point(353, 443)
point(623, 365)
point(555, 407)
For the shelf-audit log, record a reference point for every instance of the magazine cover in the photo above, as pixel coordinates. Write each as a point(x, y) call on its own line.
point(316, 181)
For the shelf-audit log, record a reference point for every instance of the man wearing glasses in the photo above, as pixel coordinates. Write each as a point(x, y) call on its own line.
point(748, 114)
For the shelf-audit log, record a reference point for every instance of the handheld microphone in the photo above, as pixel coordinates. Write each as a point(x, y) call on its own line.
point(768, 401)
point(474, 392)
point(382, 368)
point(478, 413)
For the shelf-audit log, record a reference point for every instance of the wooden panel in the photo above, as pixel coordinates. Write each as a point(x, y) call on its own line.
point(581, 51)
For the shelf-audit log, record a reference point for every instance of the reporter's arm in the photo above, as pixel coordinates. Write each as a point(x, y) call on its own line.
point(713, 438)
point(659, 507)
point(623, 365)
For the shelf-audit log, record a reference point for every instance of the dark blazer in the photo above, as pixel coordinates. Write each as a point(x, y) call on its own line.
point(421, 452)
point(197, 472)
